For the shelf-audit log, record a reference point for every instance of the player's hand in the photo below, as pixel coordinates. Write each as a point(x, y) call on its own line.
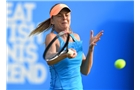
point(72, 53)
point(94, 39)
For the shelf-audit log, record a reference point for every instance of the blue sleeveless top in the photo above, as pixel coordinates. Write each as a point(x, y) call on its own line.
point(66, 75)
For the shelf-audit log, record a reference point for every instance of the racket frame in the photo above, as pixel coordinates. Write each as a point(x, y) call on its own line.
point(61, 51)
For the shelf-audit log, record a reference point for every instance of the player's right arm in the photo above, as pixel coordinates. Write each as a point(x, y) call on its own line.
point(53, 49)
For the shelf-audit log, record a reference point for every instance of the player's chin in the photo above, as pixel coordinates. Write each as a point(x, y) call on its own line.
point(65, 27)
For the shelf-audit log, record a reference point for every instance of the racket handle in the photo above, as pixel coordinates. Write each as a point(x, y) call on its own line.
point(70, 51)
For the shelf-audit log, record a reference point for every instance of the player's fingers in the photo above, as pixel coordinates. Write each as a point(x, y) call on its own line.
point(91, 34)
point(99, 34)
point(72, 55)
point(72, 51)
point(95, 39)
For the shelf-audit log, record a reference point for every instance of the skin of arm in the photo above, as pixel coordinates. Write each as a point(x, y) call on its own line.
point(87, 61)
point(53, 50)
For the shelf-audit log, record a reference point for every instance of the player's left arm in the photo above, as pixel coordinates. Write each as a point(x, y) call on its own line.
point(86, 64)
point(88, 60)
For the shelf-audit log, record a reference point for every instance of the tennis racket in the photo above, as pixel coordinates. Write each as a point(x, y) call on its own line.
point(48, 55)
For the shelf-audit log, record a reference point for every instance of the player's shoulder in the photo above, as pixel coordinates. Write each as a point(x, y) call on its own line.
point(76, 36)
point(49, 37)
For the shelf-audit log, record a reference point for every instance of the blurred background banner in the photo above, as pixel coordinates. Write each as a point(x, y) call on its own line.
point(26, 69)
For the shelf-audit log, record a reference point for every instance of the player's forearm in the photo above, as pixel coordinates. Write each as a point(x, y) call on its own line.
point(58, 59)
point(87, 64)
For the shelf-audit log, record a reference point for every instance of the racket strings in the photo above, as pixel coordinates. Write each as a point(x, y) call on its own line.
point(48, 55)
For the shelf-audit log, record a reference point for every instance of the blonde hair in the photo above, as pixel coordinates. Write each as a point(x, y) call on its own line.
point(43, 26)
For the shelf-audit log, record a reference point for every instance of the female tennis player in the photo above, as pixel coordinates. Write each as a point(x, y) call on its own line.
point(66, 68)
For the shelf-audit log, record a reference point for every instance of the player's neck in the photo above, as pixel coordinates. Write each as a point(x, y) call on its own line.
point(60, 30)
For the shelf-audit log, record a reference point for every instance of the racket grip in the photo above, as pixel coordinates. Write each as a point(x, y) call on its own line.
point(70, 51)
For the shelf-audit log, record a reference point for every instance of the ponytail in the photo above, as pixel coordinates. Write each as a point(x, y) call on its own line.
point(43, 26)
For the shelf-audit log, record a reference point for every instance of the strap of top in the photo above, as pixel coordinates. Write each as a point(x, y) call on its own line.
point(74, 39)
point(62, 41)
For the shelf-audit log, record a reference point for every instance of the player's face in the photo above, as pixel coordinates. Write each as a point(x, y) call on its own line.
point(62, 20)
